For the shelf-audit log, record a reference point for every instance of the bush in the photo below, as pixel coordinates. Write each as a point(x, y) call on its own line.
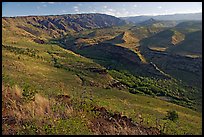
point(172, 115)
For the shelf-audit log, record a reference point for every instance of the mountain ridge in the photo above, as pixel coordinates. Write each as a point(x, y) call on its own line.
point(178, 17)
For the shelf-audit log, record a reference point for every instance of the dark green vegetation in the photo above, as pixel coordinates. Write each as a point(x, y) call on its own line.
point(172, 115)
point(53, 78)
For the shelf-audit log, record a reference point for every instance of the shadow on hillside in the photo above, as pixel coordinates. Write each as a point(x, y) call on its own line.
point(116, 57)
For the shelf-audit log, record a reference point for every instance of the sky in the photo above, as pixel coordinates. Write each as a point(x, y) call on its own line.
point(118, 9)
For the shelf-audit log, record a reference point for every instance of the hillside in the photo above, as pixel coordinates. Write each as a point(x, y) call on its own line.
point(177, 51)
point(192, 45)
point(165, 39)
point(94, 74)
point(158, 23)
point(56, 26)
point(125, 39)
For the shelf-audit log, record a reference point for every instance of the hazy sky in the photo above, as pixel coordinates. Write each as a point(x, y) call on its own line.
point(118, 9)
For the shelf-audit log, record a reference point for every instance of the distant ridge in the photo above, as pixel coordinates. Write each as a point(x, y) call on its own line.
point(58, 25)
point(189, 16)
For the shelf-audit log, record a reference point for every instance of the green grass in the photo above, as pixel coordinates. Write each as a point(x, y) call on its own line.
point(49, 80)
point(51, 70)
point(149, 108)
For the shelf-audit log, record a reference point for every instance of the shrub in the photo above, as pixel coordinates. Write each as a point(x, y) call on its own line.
point(172, 115)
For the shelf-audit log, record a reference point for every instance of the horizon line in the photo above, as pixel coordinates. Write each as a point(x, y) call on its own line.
point(101, 13)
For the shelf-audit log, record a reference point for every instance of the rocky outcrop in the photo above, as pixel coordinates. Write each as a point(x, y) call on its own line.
point(117, 124)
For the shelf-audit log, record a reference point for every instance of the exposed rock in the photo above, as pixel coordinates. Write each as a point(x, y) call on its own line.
point(39, 41)
point(116, 124)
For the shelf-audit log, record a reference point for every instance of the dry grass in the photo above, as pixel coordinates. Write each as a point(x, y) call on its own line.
point(16, 112)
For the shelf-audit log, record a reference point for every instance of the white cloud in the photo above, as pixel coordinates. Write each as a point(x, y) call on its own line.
point(159, 7)
point(126, 12)
point(105, 7)
point(76, 10)
point(76, 7)
point(135, 5)
point(111, 10)
point(110, 13)
point(51, 2)
point(48, 2)
point(64, 11)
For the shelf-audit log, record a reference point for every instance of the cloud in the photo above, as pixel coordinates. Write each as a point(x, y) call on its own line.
point(76, 7)
point(119, 13)
point(111, 10)
point(48, 2)
point(44, 5)
point(63, 11)
point(38, 7)
point(109, 13)
point(77, 10)
point(105, 7)
point(159, 7)
point(135, 5)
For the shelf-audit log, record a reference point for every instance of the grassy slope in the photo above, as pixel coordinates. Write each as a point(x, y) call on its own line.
point(51, 81)
point(39, 74)
point(113, 60)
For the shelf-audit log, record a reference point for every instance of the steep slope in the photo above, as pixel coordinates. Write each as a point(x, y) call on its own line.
point(164, 40)
point(60, 25)
point(126, 39)
point(178, 54)
point(191, 46)
point(189, 26)
point(142, 32)
point(188, 34)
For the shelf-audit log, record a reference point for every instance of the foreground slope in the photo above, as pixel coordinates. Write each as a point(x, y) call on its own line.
point(40, 80)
